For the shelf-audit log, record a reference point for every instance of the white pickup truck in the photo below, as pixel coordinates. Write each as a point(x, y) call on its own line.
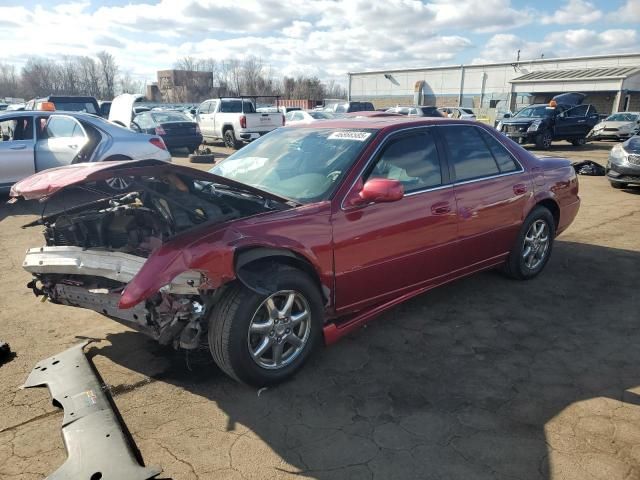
point(235, 121)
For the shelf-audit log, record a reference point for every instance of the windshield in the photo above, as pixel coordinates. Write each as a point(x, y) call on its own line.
point(623, 117)
point(303, 164)
point(536, 112)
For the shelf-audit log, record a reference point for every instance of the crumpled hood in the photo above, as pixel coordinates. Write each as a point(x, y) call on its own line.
point(47, 183)
point(612, 124)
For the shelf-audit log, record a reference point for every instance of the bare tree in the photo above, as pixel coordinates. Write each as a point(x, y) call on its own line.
point(128, 84)
point(109, 70)
point(9, 81)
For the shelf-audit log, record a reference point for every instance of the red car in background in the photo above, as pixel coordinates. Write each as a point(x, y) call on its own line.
point(301, 236)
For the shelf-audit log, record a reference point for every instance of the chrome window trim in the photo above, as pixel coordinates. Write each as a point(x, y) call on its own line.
point(430, 189)
point(491, 177)
point(374, 154)
point(440, 187)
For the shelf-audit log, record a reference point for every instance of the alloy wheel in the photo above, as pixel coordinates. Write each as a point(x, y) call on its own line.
point(546, 139)
point(119, 183)
point(279, 330)
point(536, 244)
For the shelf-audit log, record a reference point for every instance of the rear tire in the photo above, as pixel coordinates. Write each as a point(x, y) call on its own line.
point(579, 142)
point(230, 140)
point(116, 184)
point(618, 185)
point(243, 322)
point(533, 245)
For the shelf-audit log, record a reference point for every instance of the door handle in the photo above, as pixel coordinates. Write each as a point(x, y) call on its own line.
point(441, 208)
point(581, 121)
point(519, 189)
point(72, 146)
point(18, 147)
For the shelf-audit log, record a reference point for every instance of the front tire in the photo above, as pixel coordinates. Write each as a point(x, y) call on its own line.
point(533, 246)
point(544, 139)
point(618, 185)
point(262, 340)
point(230, 140)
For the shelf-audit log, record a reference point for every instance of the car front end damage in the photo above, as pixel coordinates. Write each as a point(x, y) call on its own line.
point(143, 258)
point(623, 166)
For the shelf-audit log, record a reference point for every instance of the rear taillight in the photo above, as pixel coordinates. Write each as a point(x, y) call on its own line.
point(158, 142)
point(198, 128)
point(243, 121)
point(160, 131)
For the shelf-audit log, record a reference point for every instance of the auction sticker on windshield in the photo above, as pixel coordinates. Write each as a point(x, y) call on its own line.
point(358, 136)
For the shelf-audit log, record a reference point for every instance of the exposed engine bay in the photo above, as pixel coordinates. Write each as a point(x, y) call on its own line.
point(93, 250)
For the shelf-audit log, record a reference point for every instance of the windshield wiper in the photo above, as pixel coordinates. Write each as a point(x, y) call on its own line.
point(267, 199)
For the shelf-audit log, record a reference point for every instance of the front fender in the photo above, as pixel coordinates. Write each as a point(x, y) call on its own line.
point(213, 255)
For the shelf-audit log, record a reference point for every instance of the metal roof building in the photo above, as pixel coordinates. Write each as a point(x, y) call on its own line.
point(612, 83)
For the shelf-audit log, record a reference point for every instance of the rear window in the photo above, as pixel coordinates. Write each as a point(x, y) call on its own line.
point(86, 107)
point(170, 117)
point(235, 106)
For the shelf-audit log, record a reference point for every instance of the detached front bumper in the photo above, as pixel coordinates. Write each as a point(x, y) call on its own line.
point(98, 444)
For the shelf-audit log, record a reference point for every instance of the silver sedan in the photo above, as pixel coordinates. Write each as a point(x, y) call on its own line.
point(32, 141)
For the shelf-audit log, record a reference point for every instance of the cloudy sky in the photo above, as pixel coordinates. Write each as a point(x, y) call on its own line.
point(325, 37)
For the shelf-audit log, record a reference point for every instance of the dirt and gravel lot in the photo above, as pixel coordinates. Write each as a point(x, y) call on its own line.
point(486, 378)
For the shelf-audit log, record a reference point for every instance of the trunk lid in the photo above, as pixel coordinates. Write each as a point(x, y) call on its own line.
point(179, 128)
point(572, 98)
point(122, 108)
point(263, 121)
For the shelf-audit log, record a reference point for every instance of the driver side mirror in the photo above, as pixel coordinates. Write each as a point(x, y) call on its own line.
point(506, 115)
point(376, 190)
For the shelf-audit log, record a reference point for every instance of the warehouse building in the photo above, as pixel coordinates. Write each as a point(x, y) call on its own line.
point(611, 82)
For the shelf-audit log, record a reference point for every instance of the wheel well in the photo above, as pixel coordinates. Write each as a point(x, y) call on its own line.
point(552, 206)
point(254, 266)
point(226, 127)
point(114, 158)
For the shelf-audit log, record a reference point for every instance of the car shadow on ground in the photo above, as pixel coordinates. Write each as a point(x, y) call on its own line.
point(471, 380)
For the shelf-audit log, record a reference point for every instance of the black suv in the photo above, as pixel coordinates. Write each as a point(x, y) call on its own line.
point(348, 107)
point(67, 103)
point(564, 118)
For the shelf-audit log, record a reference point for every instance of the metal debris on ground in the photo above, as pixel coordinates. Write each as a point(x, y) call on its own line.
point(98, 443)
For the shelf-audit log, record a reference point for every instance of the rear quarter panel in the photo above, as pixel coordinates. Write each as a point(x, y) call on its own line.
point(558, 181)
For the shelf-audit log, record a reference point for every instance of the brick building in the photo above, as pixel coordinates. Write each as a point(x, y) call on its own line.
point(177, 86)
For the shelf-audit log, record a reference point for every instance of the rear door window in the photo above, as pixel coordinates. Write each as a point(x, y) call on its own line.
point(61, 127)
point(468, 153)
point(506, 162)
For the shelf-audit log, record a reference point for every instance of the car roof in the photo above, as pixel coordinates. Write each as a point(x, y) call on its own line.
point(46, 113)
point(383, 123)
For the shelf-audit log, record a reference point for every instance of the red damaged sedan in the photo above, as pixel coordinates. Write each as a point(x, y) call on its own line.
point(299, 237)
